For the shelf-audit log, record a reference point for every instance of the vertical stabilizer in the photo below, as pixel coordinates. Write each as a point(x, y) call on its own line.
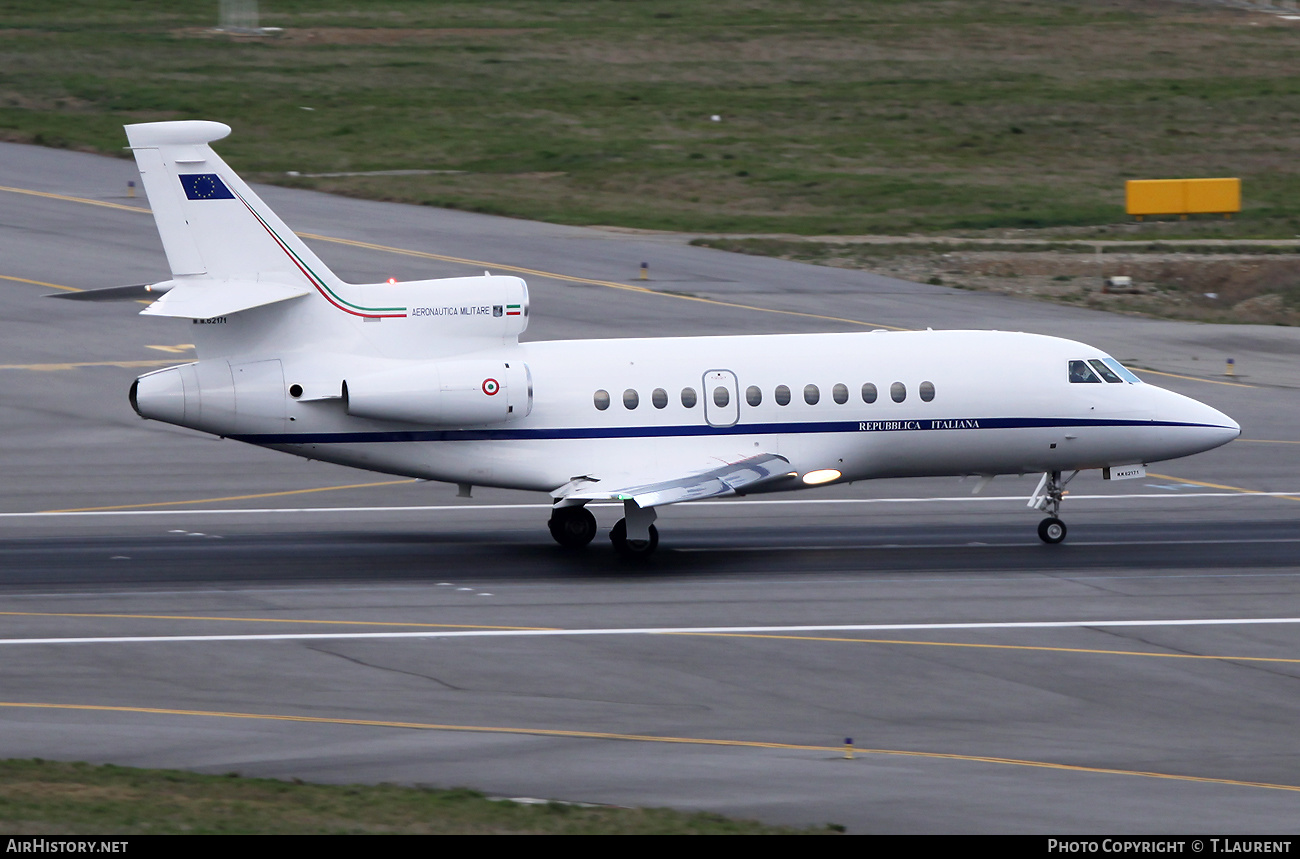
point(255, 291)
point(211, 223)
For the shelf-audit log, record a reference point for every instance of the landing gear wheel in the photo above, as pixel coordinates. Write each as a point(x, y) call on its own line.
point(1051, 530)
point(633, 548)
point(572, 527)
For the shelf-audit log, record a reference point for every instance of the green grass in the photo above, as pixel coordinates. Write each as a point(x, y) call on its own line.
point(880, 116)
point(50, 798)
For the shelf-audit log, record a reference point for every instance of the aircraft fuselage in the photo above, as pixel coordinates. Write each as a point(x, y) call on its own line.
point(941, 403)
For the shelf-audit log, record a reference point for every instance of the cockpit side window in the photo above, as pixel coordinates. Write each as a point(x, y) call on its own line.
point(1106, 372)
point(1079, 372)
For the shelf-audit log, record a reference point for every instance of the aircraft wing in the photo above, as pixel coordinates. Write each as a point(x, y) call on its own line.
point(728, 479)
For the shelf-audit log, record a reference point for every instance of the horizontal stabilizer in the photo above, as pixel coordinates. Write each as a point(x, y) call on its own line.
point(205, 299)
point(728, 479)
point(135, 292)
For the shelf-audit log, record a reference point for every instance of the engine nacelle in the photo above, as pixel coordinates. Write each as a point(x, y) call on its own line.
point(215, 396)
point(161, 395)
point(443, 393)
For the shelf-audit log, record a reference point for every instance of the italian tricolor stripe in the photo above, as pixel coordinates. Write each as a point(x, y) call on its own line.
point(321, 287)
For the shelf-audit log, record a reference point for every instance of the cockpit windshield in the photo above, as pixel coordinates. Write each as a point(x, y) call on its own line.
point(1106, 372)
point(1094, 370)
point(1120, 370)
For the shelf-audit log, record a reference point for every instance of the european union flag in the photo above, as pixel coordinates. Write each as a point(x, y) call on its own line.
point(205, 186)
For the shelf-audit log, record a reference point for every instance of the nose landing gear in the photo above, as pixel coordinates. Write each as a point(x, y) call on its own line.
point(1051, 530)
point(1047, 497)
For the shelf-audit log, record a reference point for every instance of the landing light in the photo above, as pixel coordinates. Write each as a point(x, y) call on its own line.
point(821, 475)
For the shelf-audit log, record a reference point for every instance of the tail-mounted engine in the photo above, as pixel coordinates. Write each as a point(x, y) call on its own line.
point(443, 393)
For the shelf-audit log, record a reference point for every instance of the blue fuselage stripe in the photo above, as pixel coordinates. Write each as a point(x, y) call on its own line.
point(539, 434)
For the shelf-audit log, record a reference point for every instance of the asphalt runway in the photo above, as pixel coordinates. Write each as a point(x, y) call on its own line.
point(172, 600)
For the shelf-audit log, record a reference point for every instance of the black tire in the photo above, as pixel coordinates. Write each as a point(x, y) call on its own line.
point(633, 548)
point(1051, 530)
point(572, 527)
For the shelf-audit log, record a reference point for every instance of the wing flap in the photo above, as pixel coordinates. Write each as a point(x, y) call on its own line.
point(728, 479)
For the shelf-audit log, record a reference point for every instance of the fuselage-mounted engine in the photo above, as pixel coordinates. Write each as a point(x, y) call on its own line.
point(443, 393)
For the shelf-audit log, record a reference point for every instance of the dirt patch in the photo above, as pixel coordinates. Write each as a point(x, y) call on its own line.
point(1203, 281)
point(1175, 286)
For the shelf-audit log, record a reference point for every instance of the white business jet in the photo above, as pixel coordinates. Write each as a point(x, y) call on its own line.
point(428, 379)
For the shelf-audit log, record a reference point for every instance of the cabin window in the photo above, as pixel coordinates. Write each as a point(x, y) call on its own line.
point(782, 395)
point(631, 399)
point(1106, 372)
point(869, 393)
point(721, 396)
point(753, 395)
point(659, 398)
point(927, 391)
point(1080, 372)
point(840, 393)
point(811, 395)
point(602, 400)
point(688, 397)
point(898, 392)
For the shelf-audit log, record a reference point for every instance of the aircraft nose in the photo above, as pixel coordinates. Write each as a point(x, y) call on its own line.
point(1225, 429)
point(1228, 424)
point(1204, 427)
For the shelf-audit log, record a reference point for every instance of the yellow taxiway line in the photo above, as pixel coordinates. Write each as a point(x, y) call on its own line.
point(39, 282)
point(1240, 489)
point(1083, 650)
point(490, 265)
point(233, 497)
point(69, 199)
point(645, 738)
point(611, 284)
point(77, 365)
point(1196, 378)
point(546, 274)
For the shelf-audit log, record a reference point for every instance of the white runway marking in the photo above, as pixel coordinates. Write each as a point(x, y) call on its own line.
point(447, 508)
point(841, 547)
point(665, 630)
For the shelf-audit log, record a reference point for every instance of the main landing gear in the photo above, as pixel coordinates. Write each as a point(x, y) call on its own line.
point(635, 535)
point(629, 548)
point(1047, 497)
point(572, 527)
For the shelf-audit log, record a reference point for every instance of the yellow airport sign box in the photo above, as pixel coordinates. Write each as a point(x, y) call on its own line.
point(1182, 196)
